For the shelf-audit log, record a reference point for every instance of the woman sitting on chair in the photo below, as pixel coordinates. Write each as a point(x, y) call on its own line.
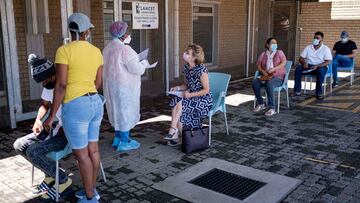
point(195, 101)
point(271, 66)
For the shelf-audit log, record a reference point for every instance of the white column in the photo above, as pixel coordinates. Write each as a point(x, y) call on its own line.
point(167, 46)
point(66, 11)
point(176, 39)
point(11, 59)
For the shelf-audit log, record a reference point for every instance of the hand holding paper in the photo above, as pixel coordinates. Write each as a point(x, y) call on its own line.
point(177, 93)
point(144, 55)
point(152, 65)
point(308, 70)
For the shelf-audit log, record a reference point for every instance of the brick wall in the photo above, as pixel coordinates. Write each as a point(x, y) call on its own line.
point(53, 39)
point(185, 28)
point(19, 14)
point(317, 17)
point(97, 18)
point(232, 33)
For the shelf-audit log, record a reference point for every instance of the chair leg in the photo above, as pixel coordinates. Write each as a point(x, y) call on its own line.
point(305, 83)
point(102, 172)
point(352, 77)
point(32, 175)
point(310, 84)
point(226, 124)
point(266, 99)
point(254, 102)
point(330, 84)
point(287, 97)
point(324, 87)
point(209, 130)
point(278, 103)
point(57, 181)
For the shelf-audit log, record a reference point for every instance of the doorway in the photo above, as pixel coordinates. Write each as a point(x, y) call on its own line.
point(284, 18)
point(153, 79)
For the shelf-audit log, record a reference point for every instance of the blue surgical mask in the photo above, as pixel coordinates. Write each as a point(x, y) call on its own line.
point(316, 42)
point(273, 47)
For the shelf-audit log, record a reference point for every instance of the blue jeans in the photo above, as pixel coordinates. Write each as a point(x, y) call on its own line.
point(319, 73)
point(81, 120)
point(269, 87)
point(35, 151)
point(340, 61)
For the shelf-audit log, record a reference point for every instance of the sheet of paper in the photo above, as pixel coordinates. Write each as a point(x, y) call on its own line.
point(144, 54)
point(176, 93)
point(308, 71)
point(152, 65)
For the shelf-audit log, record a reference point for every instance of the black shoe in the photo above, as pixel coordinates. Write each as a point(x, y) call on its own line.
point(335, 85)
point(319, 97)
point(295, 94)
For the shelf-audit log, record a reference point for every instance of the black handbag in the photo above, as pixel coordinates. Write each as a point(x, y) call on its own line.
point(195, 139)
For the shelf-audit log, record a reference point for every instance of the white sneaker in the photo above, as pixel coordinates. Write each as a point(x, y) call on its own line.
point(172, 135)
point(259, 107)
point(270, 112)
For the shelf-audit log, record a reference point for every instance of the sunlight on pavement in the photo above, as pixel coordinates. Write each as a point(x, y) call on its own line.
point(161, 118)
point(237, 99)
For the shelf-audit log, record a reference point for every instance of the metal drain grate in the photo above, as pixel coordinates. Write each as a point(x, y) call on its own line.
point(227, 183)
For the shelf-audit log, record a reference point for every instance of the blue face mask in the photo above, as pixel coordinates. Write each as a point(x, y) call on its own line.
point(273, 47)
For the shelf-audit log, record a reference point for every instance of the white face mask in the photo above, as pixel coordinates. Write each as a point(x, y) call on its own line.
point(316, 42)
point(344, 40)
point(87, 38)
point(186, 57)
point(127, 40)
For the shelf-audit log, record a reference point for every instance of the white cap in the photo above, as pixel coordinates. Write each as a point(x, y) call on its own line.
point(82, 21)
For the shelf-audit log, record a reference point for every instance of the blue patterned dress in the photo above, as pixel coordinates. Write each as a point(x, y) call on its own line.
point(194, 109)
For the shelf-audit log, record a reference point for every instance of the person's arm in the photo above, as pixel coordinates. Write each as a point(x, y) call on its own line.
point(204, 78)
point(353, 54)
point(302, 58)
point(259, 67)
point(262, 71)
point(99, 76)
point(326, 62)
point(37, 128)
point(59, 93)
point(333, 53)
point(282, 63)
point(136, 67)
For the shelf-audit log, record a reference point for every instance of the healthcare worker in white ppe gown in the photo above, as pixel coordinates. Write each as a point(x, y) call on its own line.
point(122, 84)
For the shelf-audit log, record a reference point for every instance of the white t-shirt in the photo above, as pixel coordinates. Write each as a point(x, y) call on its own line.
point(316, 56)
point(48, 95)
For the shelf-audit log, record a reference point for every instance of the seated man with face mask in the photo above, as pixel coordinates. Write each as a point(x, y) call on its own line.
point(37, 144)
point(344, 53)
point(313, 60)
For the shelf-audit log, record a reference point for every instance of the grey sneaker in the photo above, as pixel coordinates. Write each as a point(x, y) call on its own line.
point(270, 112)
point(82, 195)
point(259, 107)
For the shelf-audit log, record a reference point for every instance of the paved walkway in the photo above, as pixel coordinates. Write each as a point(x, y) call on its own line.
point(319, 146)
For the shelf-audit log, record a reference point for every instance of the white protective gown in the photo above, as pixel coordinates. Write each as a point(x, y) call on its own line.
point(122, 84)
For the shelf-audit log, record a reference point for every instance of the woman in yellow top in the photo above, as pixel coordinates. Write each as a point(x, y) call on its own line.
point(78, 77)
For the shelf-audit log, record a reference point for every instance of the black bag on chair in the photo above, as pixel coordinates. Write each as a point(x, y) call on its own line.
point(195, 139)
